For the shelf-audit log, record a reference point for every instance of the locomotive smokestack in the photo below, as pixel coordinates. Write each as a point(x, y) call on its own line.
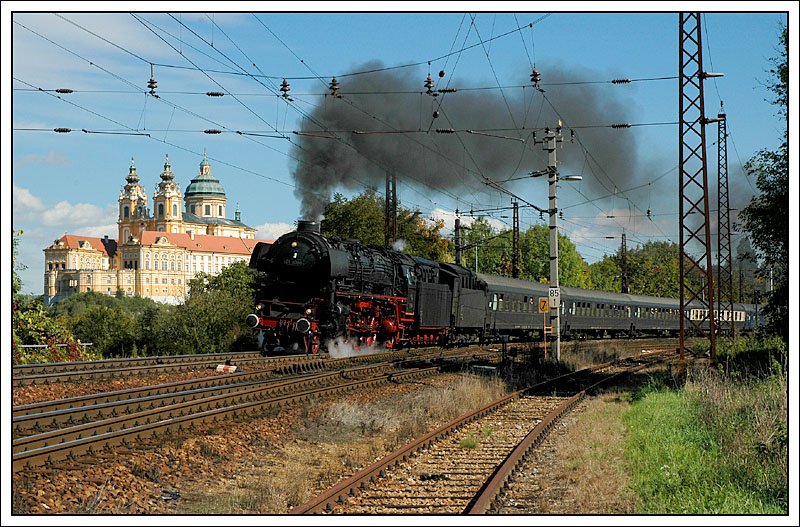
point(307, 226)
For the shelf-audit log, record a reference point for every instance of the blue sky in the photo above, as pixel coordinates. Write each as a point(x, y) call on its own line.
point(70, 182)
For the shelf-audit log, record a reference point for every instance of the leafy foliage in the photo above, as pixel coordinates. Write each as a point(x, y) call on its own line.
point(16, 281)
point(766, 218)
point(115, 325)
point(362, 218)
point(212, 318)
point(31, 325)
point(653, 269)
point(359, 218)
point(494, 254)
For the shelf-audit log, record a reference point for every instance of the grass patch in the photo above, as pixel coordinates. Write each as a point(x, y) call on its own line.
point(469, 442)
point(716, 447)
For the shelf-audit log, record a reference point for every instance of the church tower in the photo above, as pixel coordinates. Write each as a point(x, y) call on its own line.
point(133, 213)
point(205, 198)
point(167, 203)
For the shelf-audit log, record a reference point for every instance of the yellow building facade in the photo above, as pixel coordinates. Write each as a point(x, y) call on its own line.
point(156, 253)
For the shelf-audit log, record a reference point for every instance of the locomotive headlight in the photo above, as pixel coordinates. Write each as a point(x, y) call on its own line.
point(294, 244)
point(259, 307)
point(308, 311)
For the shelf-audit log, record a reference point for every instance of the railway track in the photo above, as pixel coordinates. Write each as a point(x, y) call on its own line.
point(56, 430)
point(463, 466)
point(47, 373)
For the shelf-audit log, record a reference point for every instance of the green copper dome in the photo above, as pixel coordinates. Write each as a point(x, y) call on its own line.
point(204, 184)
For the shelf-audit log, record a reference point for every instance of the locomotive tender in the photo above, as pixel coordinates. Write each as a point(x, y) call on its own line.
point(318, 291)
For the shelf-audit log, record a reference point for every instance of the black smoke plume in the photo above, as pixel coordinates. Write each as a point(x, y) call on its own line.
point(399, 134)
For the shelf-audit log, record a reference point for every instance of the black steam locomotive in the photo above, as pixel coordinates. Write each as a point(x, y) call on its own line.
point(318, 291)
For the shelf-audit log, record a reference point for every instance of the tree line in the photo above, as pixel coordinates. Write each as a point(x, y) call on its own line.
point(210, 320)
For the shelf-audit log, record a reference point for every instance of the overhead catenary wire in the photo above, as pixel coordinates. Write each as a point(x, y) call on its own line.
point(167, 142)
point(287, 131)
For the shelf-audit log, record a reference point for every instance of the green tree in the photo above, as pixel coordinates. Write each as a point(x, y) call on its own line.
point(16, 281)
point(111, 330)
point(362, 218)
point(745, 271)
point(86, 313)
point(422, 237)
point(32, 325)
point(491, 249)
point(237, 279)
point(212, 318)
point(653, 269)
point(573, 271)
point(766, 218)
point(495, 254)
point(359, 218)
point(606, 274)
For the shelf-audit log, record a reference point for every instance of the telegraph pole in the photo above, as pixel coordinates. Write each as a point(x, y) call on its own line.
point(515, 254)
point(390, 211)
point(624, 265)
point(458, 240)
point(551, 137)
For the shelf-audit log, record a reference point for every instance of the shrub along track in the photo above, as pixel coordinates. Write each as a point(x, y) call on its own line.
point(464, 465)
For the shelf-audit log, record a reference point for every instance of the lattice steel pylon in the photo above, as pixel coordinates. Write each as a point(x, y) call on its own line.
point(724, 262)
point(695, 234)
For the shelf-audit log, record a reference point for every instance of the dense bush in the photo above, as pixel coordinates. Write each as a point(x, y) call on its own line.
point(31, 325)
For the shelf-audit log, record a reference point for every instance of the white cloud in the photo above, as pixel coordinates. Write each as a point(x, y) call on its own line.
point(23, 199)
point(30, 209)
point(449, 218)
point(273, 231)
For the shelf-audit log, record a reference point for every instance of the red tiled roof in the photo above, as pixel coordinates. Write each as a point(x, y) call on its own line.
point(73, 241)
point(203, 242)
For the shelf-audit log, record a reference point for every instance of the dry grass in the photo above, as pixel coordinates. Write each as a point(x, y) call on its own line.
point(332, 441)
point(592, 459)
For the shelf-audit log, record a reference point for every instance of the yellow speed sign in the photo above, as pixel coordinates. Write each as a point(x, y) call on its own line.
point(543, 304)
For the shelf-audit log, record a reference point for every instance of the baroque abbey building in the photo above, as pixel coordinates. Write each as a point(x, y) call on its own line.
point(156, 253)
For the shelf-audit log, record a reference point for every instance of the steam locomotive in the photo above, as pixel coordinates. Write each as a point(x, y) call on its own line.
point(317, 292)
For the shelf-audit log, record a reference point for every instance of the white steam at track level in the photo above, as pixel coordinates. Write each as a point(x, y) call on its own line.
point(384, 121)
point(399, 245)
point(339, 348)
